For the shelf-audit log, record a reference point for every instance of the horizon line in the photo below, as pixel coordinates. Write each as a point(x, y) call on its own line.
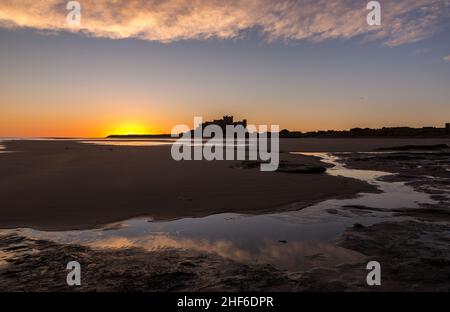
point(169, 134)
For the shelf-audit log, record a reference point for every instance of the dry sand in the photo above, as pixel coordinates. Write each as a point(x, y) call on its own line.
point(61, 185)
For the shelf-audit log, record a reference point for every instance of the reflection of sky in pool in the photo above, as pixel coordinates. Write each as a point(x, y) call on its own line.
point(295, 240)
point(395, 194)
point(129, 142)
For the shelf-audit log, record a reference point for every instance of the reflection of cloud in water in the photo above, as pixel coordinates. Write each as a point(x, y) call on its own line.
point(295, 256)
point(306, 255)
point(155, 242)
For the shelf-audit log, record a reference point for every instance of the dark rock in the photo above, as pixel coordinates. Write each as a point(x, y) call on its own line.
point(302, 169)
point(436, 147)
point(358, 227)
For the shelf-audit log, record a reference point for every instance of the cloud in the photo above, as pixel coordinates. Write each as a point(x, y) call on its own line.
point(447, 58)
point(403, 21)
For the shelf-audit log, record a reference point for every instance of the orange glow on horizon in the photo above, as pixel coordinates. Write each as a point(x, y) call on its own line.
point(129, 128)
point(63, 127)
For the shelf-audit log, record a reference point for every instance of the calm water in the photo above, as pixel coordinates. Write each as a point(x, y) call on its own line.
point(129, 142)
point(296, 240)
point(2, 147)
point(144, 142)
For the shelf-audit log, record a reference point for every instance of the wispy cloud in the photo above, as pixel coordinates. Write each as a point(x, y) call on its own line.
point(404, 21)
point(447, 58)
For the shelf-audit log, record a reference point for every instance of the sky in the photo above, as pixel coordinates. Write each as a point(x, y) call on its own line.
point(135, 66)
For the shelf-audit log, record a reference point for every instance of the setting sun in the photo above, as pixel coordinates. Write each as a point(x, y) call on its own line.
point(130, 128)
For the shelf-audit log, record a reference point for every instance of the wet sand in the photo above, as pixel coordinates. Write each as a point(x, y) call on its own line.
point(352, 145)
point(414, 252)
point(61, 185)
point(36, 265)
point(414, 256)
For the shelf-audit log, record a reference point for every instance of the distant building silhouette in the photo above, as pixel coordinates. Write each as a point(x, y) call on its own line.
point(225, 121)
point(367, 132)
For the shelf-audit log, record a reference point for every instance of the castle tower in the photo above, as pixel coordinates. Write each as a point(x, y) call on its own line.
point(228, 120)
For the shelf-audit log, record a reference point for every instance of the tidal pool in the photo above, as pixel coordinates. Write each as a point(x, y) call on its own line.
point(169, 141)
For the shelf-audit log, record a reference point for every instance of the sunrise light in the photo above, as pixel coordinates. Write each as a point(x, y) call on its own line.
point(130, 128)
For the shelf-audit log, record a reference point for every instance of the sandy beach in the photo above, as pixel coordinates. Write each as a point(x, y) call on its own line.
point(61, 185)
point(67, 185)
